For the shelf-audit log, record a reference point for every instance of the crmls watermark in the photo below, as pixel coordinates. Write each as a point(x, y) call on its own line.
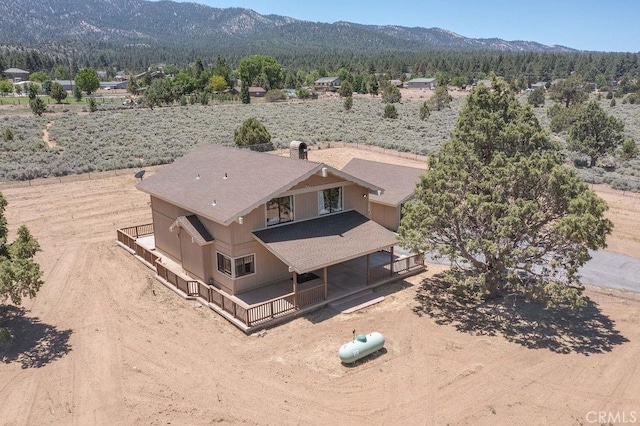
point(613, 417)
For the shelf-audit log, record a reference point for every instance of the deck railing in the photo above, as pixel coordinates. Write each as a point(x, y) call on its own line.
point(128, 236)
point(188, 287)
point(254, 314)
point(399, 266)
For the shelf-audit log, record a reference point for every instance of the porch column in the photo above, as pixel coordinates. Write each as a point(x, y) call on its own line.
point(326, 285)
point(295, 289)
point(391, 262)
point(368, 267)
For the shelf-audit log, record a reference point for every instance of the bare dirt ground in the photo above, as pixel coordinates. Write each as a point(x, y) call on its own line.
point(103, 343)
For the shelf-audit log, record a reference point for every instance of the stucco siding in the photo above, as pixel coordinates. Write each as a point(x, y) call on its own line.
point(386, 216)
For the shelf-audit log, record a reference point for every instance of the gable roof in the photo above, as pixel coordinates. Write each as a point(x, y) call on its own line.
point(422, 80)
point(399, 182)
point(196, 230)
point(223, 183)
point(15, 71)
point(326, 80)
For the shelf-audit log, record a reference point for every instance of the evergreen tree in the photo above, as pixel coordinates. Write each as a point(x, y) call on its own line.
point(244, 93)
point(497, 199)
point(251, 132)
point(595, 133)
point(20, 275)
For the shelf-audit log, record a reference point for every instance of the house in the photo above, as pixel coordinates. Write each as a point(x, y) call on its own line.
point(485, 83)
point(16, 75)
point(121, 76)
point(539, 85)
point(113, 85)
point(421, 83)
point(327, 84)
point(101, 74)
point(399, 184)
point(260, 238)
point(257, 92)
point(66, 84)
point(397, 83)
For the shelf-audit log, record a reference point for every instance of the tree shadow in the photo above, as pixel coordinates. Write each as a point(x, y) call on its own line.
point(34, 344)
point(585, 330)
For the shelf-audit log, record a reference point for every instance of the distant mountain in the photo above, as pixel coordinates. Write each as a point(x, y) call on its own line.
point(76, 23)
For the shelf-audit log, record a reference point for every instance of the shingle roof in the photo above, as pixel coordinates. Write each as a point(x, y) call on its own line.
point(326, 80)
point(222, 183)
point(15, 71)
point(422, 80)
point(313, 244)
point(399, 182)
point(196, 229)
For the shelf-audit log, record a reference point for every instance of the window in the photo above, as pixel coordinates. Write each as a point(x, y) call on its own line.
point(244, 266)
point(330, 200)
point(280, 210)
point(224, 264)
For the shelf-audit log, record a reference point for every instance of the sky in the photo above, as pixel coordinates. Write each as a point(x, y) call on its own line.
point(597, 25)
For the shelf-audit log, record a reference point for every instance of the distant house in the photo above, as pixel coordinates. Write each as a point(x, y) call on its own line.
point(421, 83)
point(327, 84)
point(67, 84)
point(155, 75)
point(113, 85)
point(397, 83)
point(257, 92)
point(16, 75)
point(485, 83)
point(399, 183)
point(539, 85)
point(101, 74)
point(121, 76)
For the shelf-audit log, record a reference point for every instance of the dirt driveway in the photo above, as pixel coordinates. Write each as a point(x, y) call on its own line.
point(103, 343)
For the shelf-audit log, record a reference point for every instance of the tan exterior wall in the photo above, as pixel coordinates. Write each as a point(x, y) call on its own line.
point(317, 180)
point(192, 256)
point(306, 205)
point(386, 216)
point(166, 241)
point(354, 199)
point(269, 268)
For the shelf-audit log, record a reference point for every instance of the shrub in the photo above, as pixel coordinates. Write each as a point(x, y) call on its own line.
point(348, 103)
point(275, 95)
point(390, 111)
point(251, 132)
point(424, 111)
point(391, 94)
point(7, 134)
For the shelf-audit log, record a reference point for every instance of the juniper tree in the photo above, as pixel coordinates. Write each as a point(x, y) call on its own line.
point(20, 275)
point(497, 196)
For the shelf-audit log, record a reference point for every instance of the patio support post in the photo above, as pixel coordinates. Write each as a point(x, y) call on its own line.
point(368, 267)
point(295, 289)
point(391, 262)
point(324, 278)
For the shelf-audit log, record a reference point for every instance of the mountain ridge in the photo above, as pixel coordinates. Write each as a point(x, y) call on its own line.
point(166, 23)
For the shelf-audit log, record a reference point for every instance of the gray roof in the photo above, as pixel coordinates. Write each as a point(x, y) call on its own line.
point(399, 182)
point(197, 231)
point(421, 80)
point(15, 71)
point(222, 183)
point(326, 80)
point(313, 244)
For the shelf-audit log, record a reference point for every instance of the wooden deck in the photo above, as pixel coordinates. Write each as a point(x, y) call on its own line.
point(268, 305)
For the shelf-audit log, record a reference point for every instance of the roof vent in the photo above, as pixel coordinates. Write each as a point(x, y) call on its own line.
point(225, 176)
point(214, 203)
point(198, 176)
point(324, 172)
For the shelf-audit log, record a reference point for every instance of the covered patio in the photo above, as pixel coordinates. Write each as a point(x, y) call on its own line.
point(329, 258)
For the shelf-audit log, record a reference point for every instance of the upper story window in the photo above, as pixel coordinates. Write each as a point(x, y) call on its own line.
point(280, 210)
point(330, 200)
